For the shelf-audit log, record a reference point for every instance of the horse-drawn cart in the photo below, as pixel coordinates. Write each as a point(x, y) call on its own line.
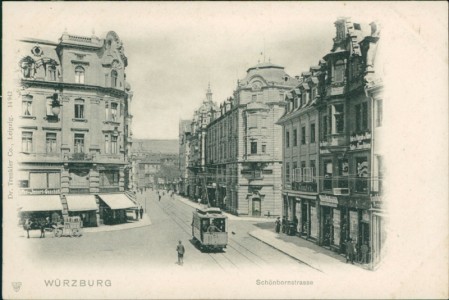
point(71, 227)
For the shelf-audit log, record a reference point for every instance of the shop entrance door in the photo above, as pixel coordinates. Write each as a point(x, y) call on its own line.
point(305, 219)
point(256, 207)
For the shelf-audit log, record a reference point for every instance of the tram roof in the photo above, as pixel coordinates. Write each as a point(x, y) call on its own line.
point(211, 212)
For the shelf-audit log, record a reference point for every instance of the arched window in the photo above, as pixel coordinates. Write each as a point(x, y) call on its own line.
point(79, 74)
point(114, 78)
point(339, 70)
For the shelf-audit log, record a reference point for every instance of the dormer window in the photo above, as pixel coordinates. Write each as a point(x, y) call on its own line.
point(114, 78)
point(79, 75)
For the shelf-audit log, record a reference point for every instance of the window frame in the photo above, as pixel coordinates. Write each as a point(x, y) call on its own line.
point(79, 109)
point(51, 139)
point(80, 75)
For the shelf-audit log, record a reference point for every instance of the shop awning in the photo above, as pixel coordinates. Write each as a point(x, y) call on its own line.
point(40, 203)
point(117, 201)
point(81, 202)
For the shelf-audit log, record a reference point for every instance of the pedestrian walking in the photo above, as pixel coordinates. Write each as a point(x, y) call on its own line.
point(141, 212)
point(42, 226)
point(364, 250)
point(278, 225)
point(350, 251)
point(181, 250)
point(159, 197)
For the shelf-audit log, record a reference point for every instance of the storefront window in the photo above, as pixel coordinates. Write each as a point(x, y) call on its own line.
point(343, 172)
point(361, 184)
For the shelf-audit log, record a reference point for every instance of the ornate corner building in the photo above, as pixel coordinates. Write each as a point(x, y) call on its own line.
point(75, 128)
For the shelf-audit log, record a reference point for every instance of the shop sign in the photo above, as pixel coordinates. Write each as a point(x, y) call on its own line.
point(328, 200)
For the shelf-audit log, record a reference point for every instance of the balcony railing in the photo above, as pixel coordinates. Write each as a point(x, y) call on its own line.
point(80, 156)
point(46, 191)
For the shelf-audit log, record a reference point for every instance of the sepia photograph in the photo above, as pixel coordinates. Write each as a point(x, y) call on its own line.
point(225, 150)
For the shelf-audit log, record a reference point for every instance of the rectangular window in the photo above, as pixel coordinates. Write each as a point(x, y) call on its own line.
point(379, 112)
point(358, 117)
point(365, 115)
point(79, 108)
point(294, 171)
point(106, 111)
point(51, 142)
point(49, 108)
point(361, 184)
point(109, 178)
point(295, 103)
point(287, 173)
point(295, 137)
point(324, 127)
point(79, 143)
point(339, 118)
point(107, 145)
point(312, 133)
point(303, 135)
point(27, 141)
point(343, 173)
point(45, 180)
point(264, 148)
point(287, 139)
point(114, 116)
point(328, 170)
point(312, 169)
point(253, 147)
point(27, 101)
point(114, 144)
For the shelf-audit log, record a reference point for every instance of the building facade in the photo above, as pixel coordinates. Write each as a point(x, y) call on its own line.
point(332, 179)
point(184, 155)
point(244, 155)
point(196, 187)
point(301, 152)
point(74, 127)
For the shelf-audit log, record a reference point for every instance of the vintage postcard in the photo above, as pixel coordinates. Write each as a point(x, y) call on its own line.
point(231, 150)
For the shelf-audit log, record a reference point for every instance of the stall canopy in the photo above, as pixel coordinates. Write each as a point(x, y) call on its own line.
point(40, 203)
point(117, 201)
point(81, 202)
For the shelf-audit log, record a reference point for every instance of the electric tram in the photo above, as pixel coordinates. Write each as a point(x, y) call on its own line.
point(209, 228)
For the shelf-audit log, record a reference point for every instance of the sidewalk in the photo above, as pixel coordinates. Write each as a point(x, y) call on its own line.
point(308, 253)
point(145, 221)
point(230, 216)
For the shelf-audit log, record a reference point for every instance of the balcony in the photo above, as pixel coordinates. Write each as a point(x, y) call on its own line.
point(80, 157)
point(46, 191)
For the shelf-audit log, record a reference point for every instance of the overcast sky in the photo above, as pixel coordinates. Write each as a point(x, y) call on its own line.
point(175, 49)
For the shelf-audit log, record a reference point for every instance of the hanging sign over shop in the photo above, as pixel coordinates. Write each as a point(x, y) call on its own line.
point(328, 201)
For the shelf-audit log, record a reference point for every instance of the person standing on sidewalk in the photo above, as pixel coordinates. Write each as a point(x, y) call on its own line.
point(284, 224)
point(181, 250)
point(141, 212)
point(350, 251)
point(278, 225)
point(364, 250)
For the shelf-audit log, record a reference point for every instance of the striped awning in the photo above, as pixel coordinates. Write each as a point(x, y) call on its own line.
point(81, 202)
point(40, 203)
point(117, 201)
